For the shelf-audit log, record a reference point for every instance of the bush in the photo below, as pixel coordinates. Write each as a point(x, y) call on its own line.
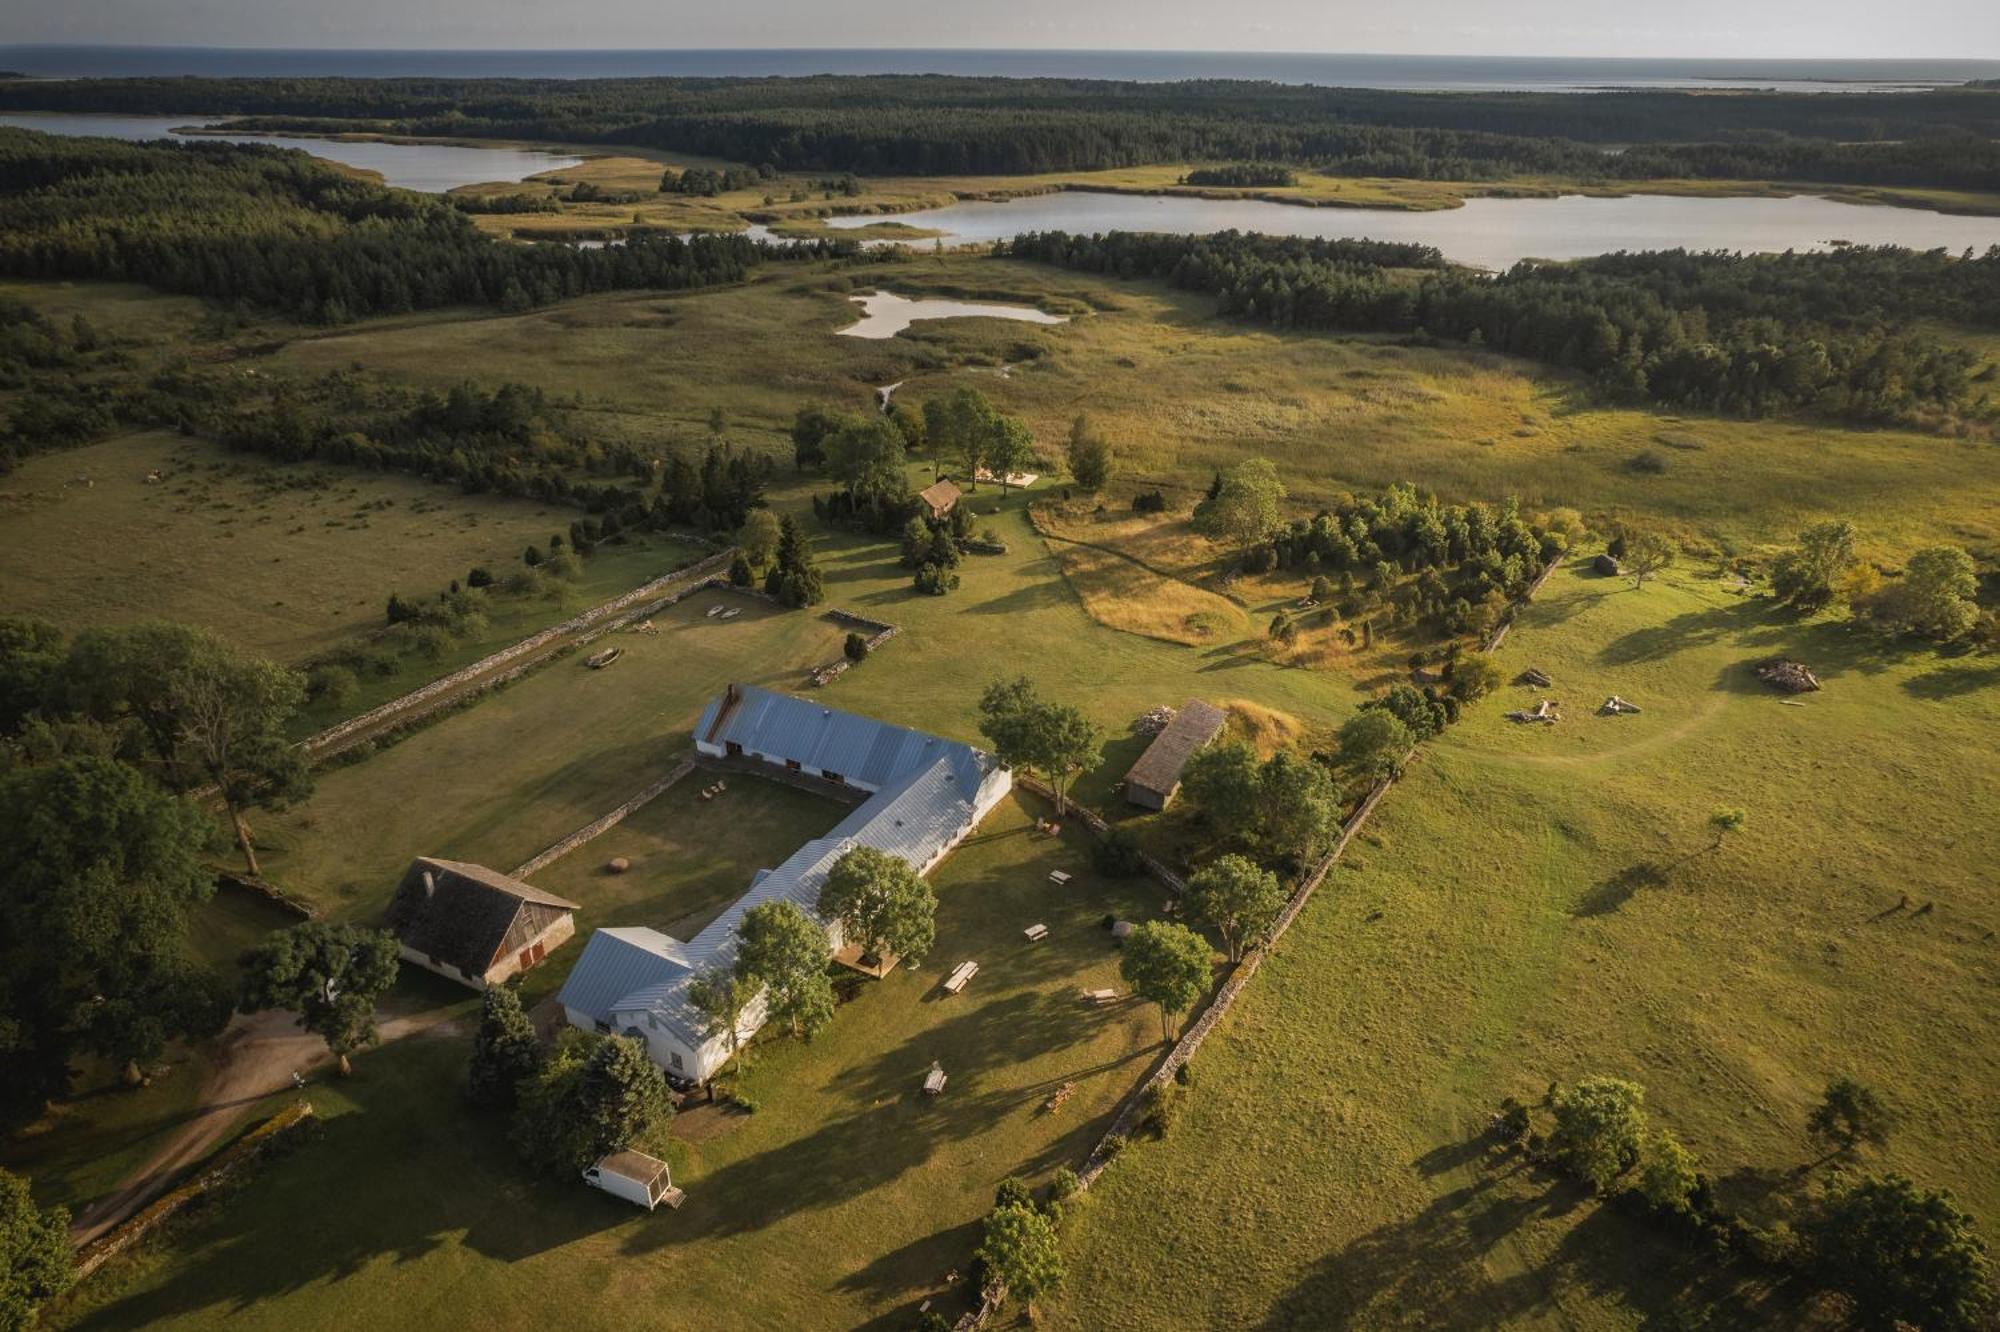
point(1063, 1186)
point(1116, 855)
point(1163, 1108)
point(739, 572)
point(1260, 560)
point(331, 684)
point(1149, 501)
point(1013, 1191)
point(479, 577)
point(935, 581)
point(856, 648)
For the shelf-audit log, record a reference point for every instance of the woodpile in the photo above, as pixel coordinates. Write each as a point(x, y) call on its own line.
point(1615, 705)
point(1545, 711)
point(1153, 721)
point(1539, 678)
point(1790, 676)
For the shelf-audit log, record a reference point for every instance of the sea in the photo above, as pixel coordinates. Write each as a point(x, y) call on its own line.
point(1410, 72)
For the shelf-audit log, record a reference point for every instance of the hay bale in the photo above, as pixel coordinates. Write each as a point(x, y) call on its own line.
point(617, 865)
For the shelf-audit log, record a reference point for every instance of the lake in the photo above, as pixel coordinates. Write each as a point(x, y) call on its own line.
point(885, 314)
point(431, 167)
point(1486, 233)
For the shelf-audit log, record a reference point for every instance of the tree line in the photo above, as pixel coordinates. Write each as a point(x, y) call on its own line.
point(1752, 334)
point(274, 228)
point(933, 124)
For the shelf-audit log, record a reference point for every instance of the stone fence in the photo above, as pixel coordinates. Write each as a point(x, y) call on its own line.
point(227, 1165)
point(878, 631)
point(609, 821)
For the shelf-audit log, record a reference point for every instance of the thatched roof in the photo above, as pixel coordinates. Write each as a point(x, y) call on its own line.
point(1159, 768)
point(467, 915)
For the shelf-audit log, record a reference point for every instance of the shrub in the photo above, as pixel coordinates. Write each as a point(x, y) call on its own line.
point(479, 577)
point(333, 684)
point(935, 581)
point(1260, 560)
point(1647, 462)
point(1063, 1186)
point(1117, 855)
point(739, 572)
point(1149, 501)
point(1013, 1191)
point(856, 647)
point(1163, 1108)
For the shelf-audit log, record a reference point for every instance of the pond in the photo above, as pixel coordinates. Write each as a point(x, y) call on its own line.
point(886, 314)
point(431, 167)
point(1486, 233)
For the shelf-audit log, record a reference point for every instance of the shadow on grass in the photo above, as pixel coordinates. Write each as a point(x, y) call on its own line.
point(1608, 895)
point(1953, 681)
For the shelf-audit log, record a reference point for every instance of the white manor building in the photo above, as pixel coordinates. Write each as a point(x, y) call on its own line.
point(925, 795)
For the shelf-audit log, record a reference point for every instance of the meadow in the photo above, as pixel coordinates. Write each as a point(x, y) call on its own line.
point(1538, 903)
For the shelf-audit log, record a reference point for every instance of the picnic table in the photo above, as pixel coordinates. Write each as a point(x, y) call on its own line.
point(960, 977)
point(1036, 933)
point(934, 1080)
point(1100, 996)
point(1058, 878)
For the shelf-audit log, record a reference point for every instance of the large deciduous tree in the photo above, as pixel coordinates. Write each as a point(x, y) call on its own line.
point(1600, 1127)
point(1246, 506)
point(1168, 965)
point(31, 662)
point(1372, 744)
point(594, 1095)
point(1908, 1256)
point(103, 869)
point(1237, 896)
point(1022, 1251)
point(881, 904)
point(721, 996)
point(785, 951)
point(1808, 576)
point(1935, 597)
point(329, 976)
point(1026, 731)
point(232, 712)
point(1090, 457)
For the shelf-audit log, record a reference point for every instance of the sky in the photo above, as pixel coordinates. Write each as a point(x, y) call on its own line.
point(1712, 28)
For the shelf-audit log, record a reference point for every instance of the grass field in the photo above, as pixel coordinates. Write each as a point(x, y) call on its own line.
point(542, 757)
point(850, 1195)
point(1181, 393)
point(286, 560)
point(1538, 903)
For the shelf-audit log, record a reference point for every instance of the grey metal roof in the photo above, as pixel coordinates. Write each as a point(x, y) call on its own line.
point(618, 961)
point(929, 791)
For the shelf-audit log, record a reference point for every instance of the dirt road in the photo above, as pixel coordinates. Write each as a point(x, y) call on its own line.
point(254, 1057)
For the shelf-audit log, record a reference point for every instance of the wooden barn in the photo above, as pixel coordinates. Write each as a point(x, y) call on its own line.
point(475, 925)
point(1157, 775)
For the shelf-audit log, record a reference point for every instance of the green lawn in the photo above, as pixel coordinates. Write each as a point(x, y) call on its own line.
point(515, 772)
point(689, 857)
point(849, 1195)
point(283, 559)
point(1537, 903)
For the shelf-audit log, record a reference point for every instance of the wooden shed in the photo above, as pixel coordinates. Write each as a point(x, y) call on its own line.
point(475, 925)
point(940, 498)
point(1157, 775)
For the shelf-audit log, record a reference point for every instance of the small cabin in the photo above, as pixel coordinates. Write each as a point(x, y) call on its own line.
point(940, 498)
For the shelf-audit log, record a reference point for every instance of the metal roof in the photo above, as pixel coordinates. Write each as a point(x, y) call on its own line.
point(929, 792)
point(618, 961)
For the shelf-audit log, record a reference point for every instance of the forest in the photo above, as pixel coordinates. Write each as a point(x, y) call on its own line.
point(1831, 333)
point(275, 228)
point(936, 125)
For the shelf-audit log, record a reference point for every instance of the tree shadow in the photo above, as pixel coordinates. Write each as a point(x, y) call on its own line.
point(1702, 628)
point(1953, 681)
point(1610, 894)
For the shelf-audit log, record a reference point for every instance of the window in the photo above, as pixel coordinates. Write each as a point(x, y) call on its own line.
point(832, 776)
point(603, 1026)
point(733, 749)
point(793, 764)
point(677, 1060)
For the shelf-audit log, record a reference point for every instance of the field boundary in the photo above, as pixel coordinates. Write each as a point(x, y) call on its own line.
point(344, 734)
point(597, 827)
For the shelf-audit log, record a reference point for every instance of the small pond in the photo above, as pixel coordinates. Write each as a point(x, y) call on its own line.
point(885, 314)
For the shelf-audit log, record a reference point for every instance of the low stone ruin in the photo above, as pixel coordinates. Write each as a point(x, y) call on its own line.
point(1790, 676)
point(1545, 711)
point(1615, 705)
point(1539, 678)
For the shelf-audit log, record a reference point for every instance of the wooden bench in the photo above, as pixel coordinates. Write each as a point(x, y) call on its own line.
point(1036, 933)
point(934, 1080)
point(1100, 996)
point(960, 977)
point(1058, 878)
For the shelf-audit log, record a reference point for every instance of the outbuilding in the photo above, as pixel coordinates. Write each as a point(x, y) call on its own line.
point(940, 498)
point(1157, 775)
point(475, 925)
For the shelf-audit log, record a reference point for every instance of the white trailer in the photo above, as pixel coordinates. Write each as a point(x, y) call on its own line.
point(635, 1177)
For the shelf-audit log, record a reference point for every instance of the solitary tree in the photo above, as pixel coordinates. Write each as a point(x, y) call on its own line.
point(1009, 447)
point(720, 996)
point(329, 975)
point(785, 951)
point(1724, 820)
point(1935, 597)
point(1237, 896)
point(1645, 555)
point(1600, 1124)
point(1473, 677)
point(37, 1262)
point(1168, 965)
point(1808, 576)
point(1089, 455)
point(595, 1095)
point(881, 904)
point(1022, 1251)
point(1907, 1256)
point(1849, 1114)
point(1246, 505)
point(505, 1050)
